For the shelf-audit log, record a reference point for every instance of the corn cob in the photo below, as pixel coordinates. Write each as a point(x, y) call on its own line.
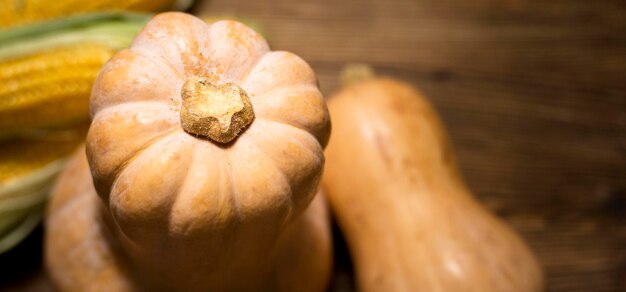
point(19, 12)
point(24, 155)
point(46, 75)
point(35, 89)
point(46, 70)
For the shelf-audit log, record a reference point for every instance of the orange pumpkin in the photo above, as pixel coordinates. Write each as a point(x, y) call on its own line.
point(205, 148)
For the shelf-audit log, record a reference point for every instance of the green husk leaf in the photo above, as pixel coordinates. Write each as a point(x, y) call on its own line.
point(113, 29)
point(22, 201)
point(23, 229)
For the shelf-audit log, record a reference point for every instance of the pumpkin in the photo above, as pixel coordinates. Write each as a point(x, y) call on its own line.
point(83, 255)
point(410, 222)
point(205, 149)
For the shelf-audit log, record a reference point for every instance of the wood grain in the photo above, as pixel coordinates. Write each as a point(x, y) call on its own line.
point(533, 94)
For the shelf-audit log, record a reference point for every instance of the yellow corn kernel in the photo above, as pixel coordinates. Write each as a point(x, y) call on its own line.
point(14, 12)
point(24, 155)
point(49, 88)
point(28, 168)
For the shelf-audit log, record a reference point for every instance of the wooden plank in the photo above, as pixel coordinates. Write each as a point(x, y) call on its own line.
point(532, 92)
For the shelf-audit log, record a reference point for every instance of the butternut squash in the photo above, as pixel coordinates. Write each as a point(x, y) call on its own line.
point(410, 222)
point(206, 151)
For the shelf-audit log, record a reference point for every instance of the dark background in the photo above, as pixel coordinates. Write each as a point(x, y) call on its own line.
point(533, 94)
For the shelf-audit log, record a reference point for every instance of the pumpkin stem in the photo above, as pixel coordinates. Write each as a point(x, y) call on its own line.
point(356, 72)
point(216, 112)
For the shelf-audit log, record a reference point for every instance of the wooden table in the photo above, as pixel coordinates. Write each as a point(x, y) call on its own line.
point(533, 94)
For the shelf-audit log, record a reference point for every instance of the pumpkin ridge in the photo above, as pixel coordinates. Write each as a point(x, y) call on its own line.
point(288, 124)
point(162, 34)
point(130, 230)
point(314, 121)
point(234, 194)
point(182, 186)
point(129, 70)
point(237, 38)
point(114, 108)
point(275, 57)
point(285, 180)
point(163, 60)
point(158, 59)
point(282, 89)
point(126, 162)
point(244, 76)
point(102, 118)
point(301, 143)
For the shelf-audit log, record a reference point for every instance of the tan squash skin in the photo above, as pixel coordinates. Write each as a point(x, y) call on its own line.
point(81, 254)
point(78, 252)
point(410, 222)
point(205, 149)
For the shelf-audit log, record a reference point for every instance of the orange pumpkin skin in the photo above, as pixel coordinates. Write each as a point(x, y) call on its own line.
point(78, 252)
point(194, 212)
point(82, 254)
point(410, 222)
